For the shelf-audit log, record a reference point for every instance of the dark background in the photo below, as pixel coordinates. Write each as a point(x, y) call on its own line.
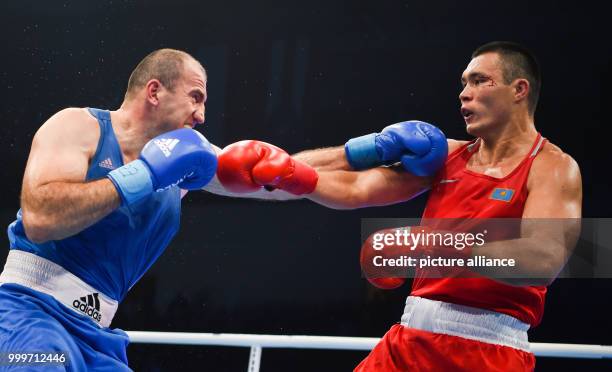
point(304, 75)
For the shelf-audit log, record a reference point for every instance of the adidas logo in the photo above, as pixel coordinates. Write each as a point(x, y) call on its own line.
point(106, 163)
point(89, 305)
point(166, 145)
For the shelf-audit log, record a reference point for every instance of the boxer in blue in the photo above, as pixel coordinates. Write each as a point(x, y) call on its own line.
point(100, 202)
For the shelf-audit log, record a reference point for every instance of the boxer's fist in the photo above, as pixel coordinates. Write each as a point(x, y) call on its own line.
point(181, 157)
point(427, 148)
point(247, 166)
point(387, 283)
point(377, 248)
point(421, 147)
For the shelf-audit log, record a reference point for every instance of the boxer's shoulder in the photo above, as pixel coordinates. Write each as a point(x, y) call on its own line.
point(70, 119)
point(553, 164)
point(455, 144)
point(552, 156)
point(70, 127)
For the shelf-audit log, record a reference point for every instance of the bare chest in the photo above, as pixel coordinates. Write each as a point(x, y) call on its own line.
point(498, 170)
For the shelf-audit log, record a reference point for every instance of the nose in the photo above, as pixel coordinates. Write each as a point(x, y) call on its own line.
point(199, 115)
point(465, 94)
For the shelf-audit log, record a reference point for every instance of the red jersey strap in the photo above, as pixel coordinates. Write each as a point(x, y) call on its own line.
point(539, 145)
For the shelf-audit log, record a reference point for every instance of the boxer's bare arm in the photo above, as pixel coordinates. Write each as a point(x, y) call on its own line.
point(56, 201)
point(340, 187)
point(334, 158)
point(379, 186)
point(343, 189)
point(325, 159)
point(374, 187)
point(550, 223)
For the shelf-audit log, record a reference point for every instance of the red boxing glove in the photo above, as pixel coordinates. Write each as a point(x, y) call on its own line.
point(371, 256)
point(247, 166)
point(387, 283)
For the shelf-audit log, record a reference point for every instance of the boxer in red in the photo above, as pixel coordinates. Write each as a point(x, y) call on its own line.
point(508, 171)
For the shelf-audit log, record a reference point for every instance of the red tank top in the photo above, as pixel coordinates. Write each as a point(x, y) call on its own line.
point(460, 193)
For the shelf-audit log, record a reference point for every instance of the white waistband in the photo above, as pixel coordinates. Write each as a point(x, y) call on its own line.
point(465, 321)
point(42, 275)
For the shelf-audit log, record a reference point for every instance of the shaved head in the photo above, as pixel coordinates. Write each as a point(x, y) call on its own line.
point(165, 65)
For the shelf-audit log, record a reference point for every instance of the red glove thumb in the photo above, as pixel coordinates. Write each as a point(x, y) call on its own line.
point(235, 163)
point(279, 170)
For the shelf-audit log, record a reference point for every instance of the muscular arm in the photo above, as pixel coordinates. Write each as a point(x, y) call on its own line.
point(340, 187)
point(325, 159)
point(55, 201)
point(343, 189)
point(374, 187)
point(346, 189)
point(550, 224)
point(334, 158)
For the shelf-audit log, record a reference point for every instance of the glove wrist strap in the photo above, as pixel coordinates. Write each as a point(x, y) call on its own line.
point(361, 152)
point(133, 181)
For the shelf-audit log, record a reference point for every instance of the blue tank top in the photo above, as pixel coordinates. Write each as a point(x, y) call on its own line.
point(115, 252)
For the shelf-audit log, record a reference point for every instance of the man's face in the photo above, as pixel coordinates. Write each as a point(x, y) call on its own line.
point(486, 101)
point(185, 105)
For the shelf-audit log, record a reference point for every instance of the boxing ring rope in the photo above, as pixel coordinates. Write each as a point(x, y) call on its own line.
point(258, 342)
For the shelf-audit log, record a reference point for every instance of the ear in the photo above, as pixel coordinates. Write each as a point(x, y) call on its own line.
point(521, 89)
point(152, 89)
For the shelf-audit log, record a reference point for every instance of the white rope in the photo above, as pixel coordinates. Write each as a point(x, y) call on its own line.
point(571, 350)
point(254, 359)
point(336, 343)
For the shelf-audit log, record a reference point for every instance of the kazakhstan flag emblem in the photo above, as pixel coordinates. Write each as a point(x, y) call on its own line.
point(502, 194)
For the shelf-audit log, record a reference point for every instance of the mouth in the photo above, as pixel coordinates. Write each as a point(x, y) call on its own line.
point(468, 115)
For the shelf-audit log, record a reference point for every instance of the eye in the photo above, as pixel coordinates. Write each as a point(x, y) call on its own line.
point(479, 80)
point(197, 97)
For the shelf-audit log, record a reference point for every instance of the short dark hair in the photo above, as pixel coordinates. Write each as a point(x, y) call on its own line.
point(517, 62)
point(165, 65)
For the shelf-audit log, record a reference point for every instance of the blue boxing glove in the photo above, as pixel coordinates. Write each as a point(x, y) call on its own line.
point(421, 147)
point(181, 157)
